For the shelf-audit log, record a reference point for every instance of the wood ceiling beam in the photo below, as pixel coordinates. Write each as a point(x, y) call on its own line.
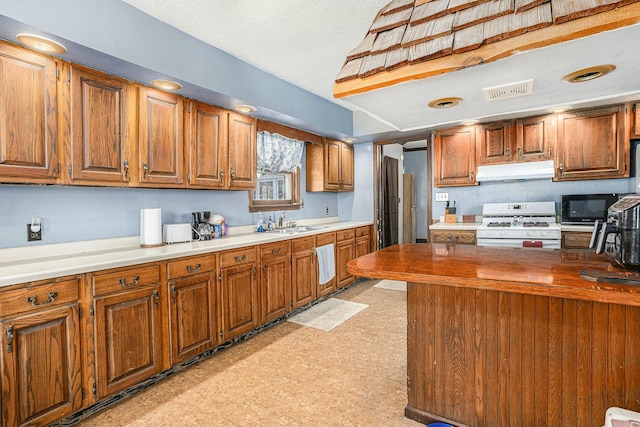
point(547, 36)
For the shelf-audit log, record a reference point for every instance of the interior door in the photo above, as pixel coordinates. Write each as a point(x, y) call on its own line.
point(409, 211)
point(390, 201)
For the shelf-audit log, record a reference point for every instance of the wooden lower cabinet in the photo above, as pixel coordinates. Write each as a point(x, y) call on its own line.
point(303, 271)
point(575, 240)
point(363, 241)
point(454, 237)
point(193, 307)
point(40, 353)
point(345, 252)
point(128, 341)
point(239, 288)
point(275, 280)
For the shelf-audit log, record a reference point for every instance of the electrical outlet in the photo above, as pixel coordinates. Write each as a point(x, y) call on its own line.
point(33, 236)
point(442, 197)
point(326, 211)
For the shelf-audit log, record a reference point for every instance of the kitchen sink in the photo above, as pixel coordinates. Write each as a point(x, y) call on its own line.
point(295, 230)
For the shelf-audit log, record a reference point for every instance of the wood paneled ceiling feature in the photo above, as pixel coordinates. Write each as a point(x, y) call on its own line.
point(401, 37)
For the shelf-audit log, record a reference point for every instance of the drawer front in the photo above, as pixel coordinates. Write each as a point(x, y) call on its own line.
point(275, 250)
point(325, 239)
point(238, 257)
point(125, 278)
point(37, 297)
point(304, 243)
point(363, 231)
point(468, 238)
point(345, 235)
point(189, 266)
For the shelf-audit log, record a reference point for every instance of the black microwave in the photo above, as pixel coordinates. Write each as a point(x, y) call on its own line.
point(586, 208)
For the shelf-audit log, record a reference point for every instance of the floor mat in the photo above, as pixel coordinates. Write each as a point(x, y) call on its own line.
point(328, 314)
point(394, 285)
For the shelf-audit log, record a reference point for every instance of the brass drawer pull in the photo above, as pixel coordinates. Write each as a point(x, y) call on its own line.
point(275, 251)
point(192, 269)
point(34, 300)
point(124, 283)
point(238, 259)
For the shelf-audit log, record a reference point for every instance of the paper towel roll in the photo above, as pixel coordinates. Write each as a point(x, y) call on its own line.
point(150, 227)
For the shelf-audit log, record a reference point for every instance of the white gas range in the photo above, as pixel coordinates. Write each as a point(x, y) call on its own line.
point(517, 225)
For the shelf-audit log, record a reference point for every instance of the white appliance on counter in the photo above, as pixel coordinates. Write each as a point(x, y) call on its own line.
point(517, 225)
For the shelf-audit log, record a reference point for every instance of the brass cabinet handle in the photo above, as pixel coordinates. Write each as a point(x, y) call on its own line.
point(193, 269)
point(126, 169)
point(9, 332)
point(561, 169)
point(124, 283)
point(238, 259)
point(221, 176)
point(232, 174)
point(34, 300)
point(146, 169)
point(276, 251)
point(174, 294)
point(156, 299)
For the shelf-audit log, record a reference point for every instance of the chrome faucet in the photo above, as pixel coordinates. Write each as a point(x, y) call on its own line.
point(281, 220)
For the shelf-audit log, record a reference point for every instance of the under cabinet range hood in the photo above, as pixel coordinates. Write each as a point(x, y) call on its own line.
point(516, 171)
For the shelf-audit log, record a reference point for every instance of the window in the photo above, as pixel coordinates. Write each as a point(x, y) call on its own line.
point(278, 185)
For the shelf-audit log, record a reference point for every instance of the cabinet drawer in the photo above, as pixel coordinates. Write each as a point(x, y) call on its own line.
point(363, 231)
point(576, 240)
point(36, 297)
point(325, 239)
point(241, 256)
point(125, 278)
point(275, 250)
point(304, 243)
point(458, 237)
point(188, 266)
point(345, 235)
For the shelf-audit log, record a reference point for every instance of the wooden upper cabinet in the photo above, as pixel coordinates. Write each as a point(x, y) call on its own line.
point(101, 120)
point(535, 138)
point(28, 118)
point(243, 151)
point(592, 144)
point(207, 143)
point(635, 130)
point(160, 138)
point(455, 157)
point(330, 166)
point(494, 143)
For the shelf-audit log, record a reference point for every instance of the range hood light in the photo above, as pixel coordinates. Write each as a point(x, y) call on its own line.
point(513, 172)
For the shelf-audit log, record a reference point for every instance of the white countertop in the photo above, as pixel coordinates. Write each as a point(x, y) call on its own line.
point(30, 263)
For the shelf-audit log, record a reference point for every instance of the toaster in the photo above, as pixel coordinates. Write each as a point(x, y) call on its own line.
point(176, 233)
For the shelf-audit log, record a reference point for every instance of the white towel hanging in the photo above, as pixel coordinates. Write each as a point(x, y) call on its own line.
point(326, 263)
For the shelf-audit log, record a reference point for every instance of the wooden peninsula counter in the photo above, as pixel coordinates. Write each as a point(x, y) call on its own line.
point(513, 337)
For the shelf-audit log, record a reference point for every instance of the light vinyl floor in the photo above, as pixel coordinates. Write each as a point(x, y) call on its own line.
point(290, 375)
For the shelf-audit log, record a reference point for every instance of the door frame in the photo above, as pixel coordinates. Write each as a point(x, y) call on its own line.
point(377, 173)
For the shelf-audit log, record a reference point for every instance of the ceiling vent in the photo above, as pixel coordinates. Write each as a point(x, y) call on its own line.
point(510, 90)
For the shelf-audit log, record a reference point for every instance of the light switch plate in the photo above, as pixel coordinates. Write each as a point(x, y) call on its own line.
point(442, 197)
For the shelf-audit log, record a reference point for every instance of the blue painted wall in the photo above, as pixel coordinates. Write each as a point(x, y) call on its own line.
point(358, 205)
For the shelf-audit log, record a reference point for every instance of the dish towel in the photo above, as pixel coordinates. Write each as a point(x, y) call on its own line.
point(326, 263)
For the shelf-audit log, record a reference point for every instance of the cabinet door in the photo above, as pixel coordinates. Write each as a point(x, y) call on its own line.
point(363, 246)
point(635, 132)
point(128, 341)
point(330, 286)
point(207, 144)
point(239, 300)
point(243, 151)
point(535, 138)
point(193, 316)
point(275, 288)
point(592, 144)
point(303, 277)
point(28, 119)
point(40, 363)
point(346, 167)
point(160, 117)
point(494, 143)
point(345, 252)
point(332, 159)
point(455, 157)
point(100, 120)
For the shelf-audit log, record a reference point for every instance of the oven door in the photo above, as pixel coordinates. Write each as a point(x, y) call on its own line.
point(519, 243)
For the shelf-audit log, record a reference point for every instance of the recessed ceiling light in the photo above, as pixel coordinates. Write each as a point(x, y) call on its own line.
point(445, 102)
point(246, 109)
point(42, 44)
point(166, 84)
point(587, 74)
point(349, 140)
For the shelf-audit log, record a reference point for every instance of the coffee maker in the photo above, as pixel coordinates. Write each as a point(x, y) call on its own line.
point(619, 237)
point(201, 225)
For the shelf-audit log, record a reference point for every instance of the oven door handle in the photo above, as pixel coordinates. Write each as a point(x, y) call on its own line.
point(594, 235)
point(607, 229)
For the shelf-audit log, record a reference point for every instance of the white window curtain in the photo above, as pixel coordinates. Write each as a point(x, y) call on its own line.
point(277, 153)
